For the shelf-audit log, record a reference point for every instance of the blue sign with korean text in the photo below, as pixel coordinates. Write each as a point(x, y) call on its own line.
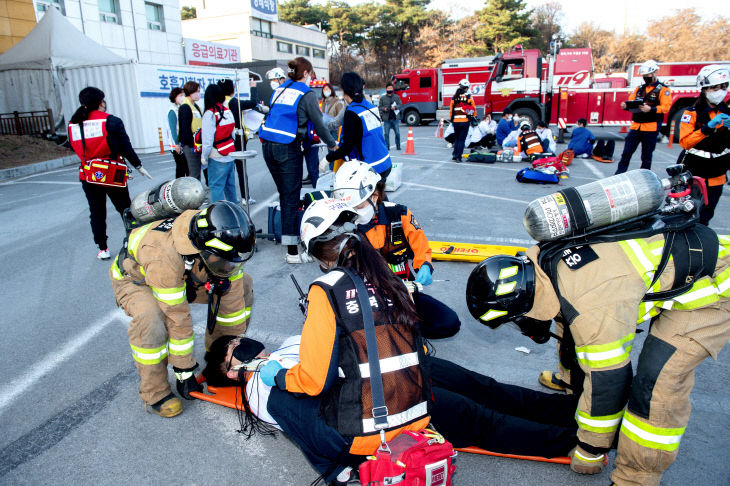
point(264, 9)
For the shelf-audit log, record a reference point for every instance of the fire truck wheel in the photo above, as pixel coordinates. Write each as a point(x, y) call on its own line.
point(528, 113)
point(412, 118)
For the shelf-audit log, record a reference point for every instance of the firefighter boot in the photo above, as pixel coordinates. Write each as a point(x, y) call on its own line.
point(552, 380)
point(583, 462)
point(167, 407)
point(187, 382)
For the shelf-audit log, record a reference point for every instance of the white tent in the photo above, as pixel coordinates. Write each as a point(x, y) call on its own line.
point(30, 70)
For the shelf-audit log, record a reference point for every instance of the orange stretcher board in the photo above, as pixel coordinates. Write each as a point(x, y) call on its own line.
point(230, 396)
point(468, 252)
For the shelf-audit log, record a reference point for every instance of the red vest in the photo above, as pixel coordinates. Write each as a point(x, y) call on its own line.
point(97, 164)
point(224, 125)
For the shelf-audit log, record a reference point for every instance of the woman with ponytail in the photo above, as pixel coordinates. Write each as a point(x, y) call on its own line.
point(362, 129)
point(100, 141)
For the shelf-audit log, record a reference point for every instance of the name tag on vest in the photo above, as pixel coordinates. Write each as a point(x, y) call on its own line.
point(371, 121)
point(288, 97)
point(92, 129)
point(579, 256)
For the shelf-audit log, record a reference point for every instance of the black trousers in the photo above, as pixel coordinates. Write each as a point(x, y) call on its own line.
point(713, 197)
point(461, 130)
point(470, 409)
point(285, 164)
point(604, 149)
point(181, 164)
point(96, 195)
point(631, 143)
point(438, 320)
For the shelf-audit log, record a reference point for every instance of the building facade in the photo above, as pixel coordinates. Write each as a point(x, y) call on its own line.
point(260, 37)
point(17, 18)
point(148, 31)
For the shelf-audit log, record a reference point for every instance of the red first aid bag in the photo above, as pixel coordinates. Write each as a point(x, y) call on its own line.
point(422, 458)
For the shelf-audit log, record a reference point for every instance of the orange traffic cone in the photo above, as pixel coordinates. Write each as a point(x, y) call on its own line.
point(671, 135)
point(441, 128)
point(162, 144)
point(410, 148)
point(623, 129)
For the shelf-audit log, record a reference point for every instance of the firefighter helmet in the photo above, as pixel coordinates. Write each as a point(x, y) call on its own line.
point(712, 75)
point(500, 289)
point(464, 83)
point(648, 67)
point(324, 220)
point(355, 182)
point(224, 235)
point(276, 73)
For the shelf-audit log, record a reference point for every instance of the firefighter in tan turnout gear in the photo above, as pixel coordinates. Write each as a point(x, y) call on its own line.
point(195, 258)
point(598, 291)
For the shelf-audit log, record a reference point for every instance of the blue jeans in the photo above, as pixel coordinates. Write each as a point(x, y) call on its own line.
point(633, 139)
point(299, 417)
point(437, 319)
point(311, 157)
point(389, 125)
point(285, 164)
point(461, 130)
point(222, 180)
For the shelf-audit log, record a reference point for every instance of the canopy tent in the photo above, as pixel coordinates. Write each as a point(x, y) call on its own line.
point(31, 71)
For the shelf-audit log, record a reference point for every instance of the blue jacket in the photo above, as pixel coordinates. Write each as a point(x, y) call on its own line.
point(580, 141)
point(504, 127)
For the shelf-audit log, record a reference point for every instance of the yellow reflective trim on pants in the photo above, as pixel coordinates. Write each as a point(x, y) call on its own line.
point(724, 245)
point(149, 356)
point(602, 424)
point(666, 439)
point(236, 276)
point(135, 237)
point(702, 293)
point(181, 347)
point(234, 318)
point(171, 296)
point(723, 283)
point(114, 270)
point(604, 355)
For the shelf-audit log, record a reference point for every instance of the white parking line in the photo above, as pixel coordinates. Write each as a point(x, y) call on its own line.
point(468, 193)
point(77, 183)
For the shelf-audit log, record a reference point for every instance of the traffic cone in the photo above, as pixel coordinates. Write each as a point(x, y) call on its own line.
point(671, 135)
point(623, 129)
point(162, 144)
point(441, 128)
point(410, 148)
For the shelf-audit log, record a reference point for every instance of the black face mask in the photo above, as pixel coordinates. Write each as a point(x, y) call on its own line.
point(390, 92)
point(247, 349)
point(648, 79)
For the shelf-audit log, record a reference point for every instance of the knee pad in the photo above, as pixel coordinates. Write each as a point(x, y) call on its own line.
point(654, 355)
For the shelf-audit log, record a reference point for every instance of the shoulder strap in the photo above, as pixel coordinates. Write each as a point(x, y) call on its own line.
point(380, 411)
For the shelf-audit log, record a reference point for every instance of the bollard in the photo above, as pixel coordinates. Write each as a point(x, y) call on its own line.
point(162, 144)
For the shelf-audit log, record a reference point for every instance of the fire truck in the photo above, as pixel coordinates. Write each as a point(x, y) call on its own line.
point(563, 89)
point(425, 91)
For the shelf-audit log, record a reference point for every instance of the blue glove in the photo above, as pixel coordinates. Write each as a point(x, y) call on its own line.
point(268, 372)
point(718, 120)
point(423, 276)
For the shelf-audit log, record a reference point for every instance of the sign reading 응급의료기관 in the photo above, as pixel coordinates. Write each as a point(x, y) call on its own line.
point(265, 10)
point(205, 53)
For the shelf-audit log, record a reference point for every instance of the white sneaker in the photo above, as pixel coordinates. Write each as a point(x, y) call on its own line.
point(103, 255)
point(300, 258)
point(251, 200)
point(584, 156)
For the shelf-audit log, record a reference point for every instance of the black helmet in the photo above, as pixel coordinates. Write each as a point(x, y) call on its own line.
point(501, 288)
point(225, 237)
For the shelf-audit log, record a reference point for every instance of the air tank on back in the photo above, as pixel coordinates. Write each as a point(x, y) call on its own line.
point(604, 202)
point(168, 199)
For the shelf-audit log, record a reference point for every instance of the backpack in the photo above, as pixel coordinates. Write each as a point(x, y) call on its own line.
point(529, 175)
point(487, 158)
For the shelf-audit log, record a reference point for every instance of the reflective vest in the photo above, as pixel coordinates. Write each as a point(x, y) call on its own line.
point(374, 149)
point(197, 120)
point(651, 99)
point(97, 164)
point(396, 251)
point(282, 123)
point(224, 125)
point(348, 404)
point(530, 143)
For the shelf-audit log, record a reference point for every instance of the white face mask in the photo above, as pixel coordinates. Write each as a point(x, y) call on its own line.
point(274, 84)
point(364, 215)
point(716, 97)
point(326, 93)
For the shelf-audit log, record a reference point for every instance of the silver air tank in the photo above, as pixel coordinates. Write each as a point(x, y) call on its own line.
point(601, 203)
point(168, 199)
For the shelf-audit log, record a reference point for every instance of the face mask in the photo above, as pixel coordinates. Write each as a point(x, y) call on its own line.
point(390, 91)
point(716, 97)
point(247, 350)
point(307, 79)
point(364, 215)
point(648, 79)
point(326, 93)
point(274, 84)
point(508, 117)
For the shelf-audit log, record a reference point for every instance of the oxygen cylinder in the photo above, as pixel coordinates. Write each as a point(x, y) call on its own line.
point(594, 205)
point(168, 199)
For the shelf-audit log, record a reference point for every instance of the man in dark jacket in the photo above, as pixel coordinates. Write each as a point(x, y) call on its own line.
point(390, 108)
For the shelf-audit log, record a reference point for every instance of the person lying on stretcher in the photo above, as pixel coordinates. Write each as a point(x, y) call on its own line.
point(468, 409)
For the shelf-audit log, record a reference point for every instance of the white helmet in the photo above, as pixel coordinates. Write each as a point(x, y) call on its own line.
point(324, 220)
point(648, 67)
point(712, 75)
point(354, 182)
point(464, 83)
point(276, 73)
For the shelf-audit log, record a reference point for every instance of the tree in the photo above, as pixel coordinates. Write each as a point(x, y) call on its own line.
point(187, 13)
point(501, 25)
point(302, 12)
point(684, 37)
point(546, 20)
point(599, 40)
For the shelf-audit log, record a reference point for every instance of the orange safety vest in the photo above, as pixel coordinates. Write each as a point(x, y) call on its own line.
point(90, 145)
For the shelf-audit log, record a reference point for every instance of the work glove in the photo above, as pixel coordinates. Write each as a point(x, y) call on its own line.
point(583, 462)
point(187, 382)
point(719, 120)
point(268, 372)
point(144, 172)
point(324, 165)
point(423, 276)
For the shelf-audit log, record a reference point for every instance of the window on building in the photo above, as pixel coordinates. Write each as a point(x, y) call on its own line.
point(44, 5)
point(155, 17)
point(108, 11)
point(302, 51)
point(424, 83)
point(318, 53)
point(261, 28)
point(284, 47)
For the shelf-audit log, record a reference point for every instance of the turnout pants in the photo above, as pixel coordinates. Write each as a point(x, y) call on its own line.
point(631, 143)
point(96, 195)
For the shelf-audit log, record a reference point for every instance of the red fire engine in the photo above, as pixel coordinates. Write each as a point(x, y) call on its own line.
point(424, 91)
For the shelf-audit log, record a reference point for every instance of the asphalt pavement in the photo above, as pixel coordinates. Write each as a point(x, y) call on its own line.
point(69, 409)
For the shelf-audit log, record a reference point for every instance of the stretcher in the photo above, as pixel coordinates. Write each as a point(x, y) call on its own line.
point(230, 396)
point(468, 252)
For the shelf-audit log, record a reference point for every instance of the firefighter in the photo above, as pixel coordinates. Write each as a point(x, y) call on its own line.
point(462, 108)
point(195, 258)
point(646, 122)
point(528, 141)
point(704, 135)
point(100, 145)
point(602, 291)
point(323, 403)
point(394, 231)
